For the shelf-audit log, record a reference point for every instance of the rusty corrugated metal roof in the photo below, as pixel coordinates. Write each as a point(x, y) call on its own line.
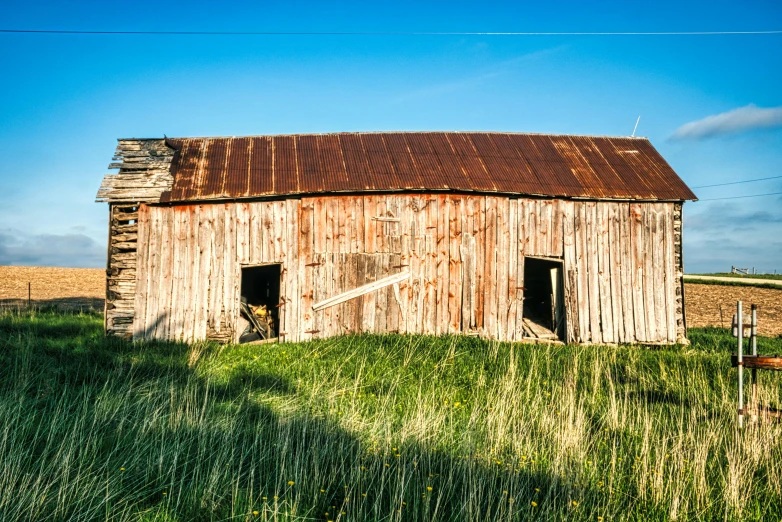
point(508, 163)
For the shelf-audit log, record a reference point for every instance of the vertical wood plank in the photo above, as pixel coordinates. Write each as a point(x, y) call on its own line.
point(504, 258)
point(205, 240)
point(333, 229)
point(571, 279)
point(442, 265)
point(370, 224)
point(190, 299)
point(218, 270)
point(614, 266)
point(604, 272)
point(317, 269)
point(455, 275)
point(243, 233)
point(670, 274)
point(582, 271)
point(659, 272)
point(479, 235)
point(429, 259)
point(142, 269)
point(321, 231)
point(626, 271)
point(290, 327)
point(232, 270)
point(307, 235)
point(255, 251)
point(544, 241)
point(648, 270)
point(490, 268)
point(178, 247)
point(165, 281)
point(514, 280)
point(522, 217)
point(593, 274)
point(533, 234)
point(557, 215)
point(394, 298)
point(637, 241)
point(382, 269)
point(468, 255)
point(344, 221)
point(417, 262)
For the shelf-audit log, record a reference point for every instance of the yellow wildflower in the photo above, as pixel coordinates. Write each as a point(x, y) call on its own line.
point(575, 503)
point(290, 483)
point(255, 513)
point(534, 504)
point(428, 488)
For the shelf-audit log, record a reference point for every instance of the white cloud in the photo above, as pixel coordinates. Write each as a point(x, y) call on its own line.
point(736, 121)
point(73, 250)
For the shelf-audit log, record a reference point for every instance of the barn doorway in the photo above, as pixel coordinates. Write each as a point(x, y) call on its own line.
point(544, 299)
point(259, 302)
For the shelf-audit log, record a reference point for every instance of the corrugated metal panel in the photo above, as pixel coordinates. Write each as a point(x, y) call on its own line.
point(238, 172)
point(554, 165)
point(379, 162)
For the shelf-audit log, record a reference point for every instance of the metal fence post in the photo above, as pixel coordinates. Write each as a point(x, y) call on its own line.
point(740, 337)
point(753, 336)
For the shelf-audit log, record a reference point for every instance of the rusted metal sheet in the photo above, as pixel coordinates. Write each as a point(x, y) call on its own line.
point(536, 164)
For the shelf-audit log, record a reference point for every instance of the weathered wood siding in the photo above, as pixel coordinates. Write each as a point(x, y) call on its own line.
point(465, 255)
point(121, 269)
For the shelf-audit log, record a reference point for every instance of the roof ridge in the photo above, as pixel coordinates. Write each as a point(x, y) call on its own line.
point(343, 133)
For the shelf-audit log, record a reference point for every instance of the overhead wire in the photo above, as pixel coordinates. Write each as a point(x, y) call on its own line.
point(742, 197)
point(394, 33)
point(736, 182)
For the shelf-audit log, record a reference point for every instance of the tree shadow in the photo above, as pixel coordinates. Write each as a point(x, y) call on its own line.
point(67, 304)
point(278, 459)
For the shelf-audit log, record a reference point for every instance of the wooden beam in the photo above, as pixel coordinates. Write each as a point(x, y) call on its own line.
point(361, 290)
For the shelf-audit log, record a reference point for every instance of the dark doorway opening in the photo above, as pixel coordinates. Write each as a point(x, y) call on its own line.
point(544, 300)
point(260, 300)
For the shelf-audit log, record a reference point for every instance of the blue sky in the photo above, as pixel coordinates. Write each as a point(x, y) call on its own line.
point(712, 105)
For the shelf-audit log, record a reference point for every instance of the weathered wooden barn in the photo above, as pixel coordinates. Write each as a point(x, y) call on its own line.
point(502, 235)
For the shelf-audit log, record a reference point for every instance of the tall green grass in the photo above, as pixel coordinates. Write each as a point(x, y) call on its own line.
point(375, 428)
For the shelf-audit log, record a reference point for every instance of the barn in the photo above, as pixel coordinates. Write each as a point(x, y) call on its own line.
point(507, 236)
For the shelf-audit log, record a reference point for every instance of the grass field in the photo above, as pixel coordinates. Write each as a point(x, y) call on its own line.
point(375, 428)
point(742, 276)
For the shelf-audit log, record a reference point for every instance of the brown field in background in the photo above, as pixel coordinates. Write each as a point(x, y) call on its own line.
point(86, 287)
point(71, 288)
point(714, 305)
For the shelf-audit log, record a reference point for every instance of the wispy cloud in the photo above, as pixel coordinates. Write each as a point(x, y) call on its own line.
point(73, 250)
point(739, 120)
point(491, 71)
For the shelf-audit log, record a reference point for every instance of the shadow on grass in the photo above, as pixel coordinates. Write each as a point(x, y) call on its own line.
point(243, 452)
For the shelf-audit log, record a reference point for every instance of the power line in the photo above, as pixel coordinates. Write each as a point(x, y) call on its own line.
point(737, 182)
point(394, 33)
point(741, 197)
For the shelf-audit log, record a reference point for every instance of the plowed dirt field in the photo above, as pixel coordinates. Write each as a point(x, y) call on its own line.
point(71, 288)
point(714, 305)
